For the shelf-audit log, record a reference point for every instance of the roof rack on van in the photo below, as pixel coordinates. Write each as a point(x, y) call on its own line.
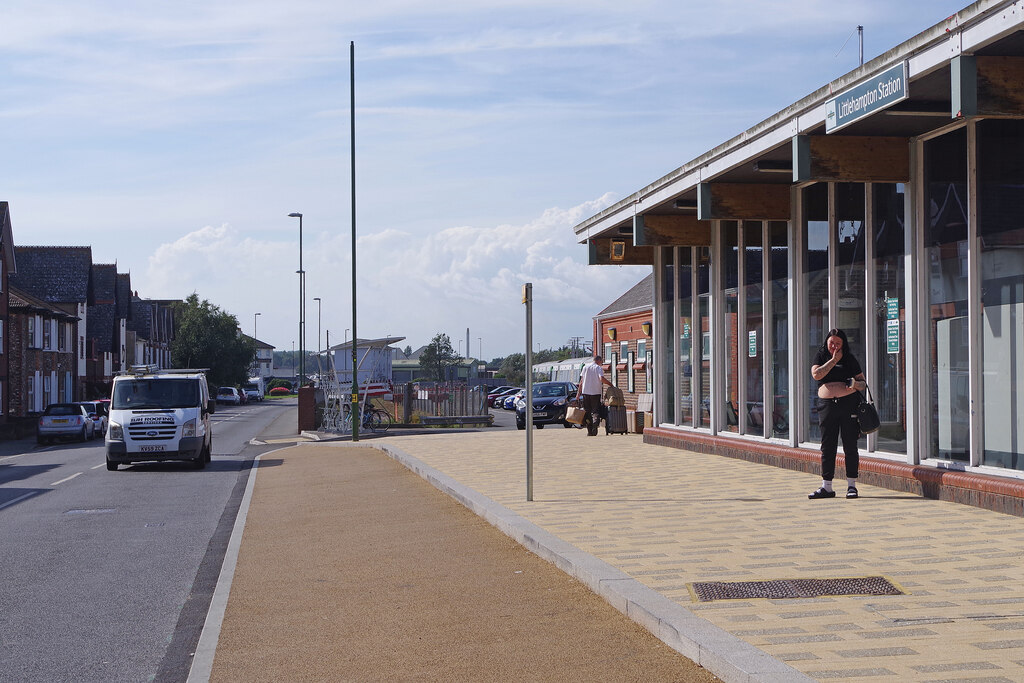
point(153, 369)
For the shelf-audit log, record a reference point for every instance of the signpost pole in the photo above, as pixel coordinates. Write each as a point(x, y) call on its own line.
point(528, 300)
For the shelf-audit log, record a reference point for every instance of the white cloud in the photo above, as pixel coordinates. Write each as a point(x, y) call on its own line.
point(408, 285)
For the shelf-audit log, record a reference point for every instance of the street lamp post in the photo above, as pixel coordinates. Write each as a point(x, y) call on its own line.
point(318, 302)
point(255, 353)
point(302, 302)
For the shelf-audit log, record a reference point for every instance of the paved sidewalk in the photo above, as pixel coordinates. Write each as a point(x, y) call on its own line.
point(668, 518)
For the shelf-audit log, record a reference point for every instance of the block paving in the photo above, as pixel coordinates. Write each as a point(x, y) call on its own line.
point(670, 517)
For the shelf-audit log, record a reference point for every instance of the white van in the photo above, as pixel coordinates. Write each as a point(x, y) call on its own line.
point(255, 389)
point(160, 415)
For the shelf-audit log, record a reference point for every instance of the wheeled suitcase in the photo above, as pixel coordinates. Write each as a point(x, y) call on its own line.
point(615, 423)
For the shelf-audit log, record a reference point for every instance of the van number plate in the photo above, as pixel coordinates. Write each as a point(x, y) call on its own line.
point(151, 449)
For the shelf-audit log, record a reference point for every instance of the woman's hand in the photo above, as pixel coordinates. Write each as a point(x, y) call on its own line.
point(837, 355)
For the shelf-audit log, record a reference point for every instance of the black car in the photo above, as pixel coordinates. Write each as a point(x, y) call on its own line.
point(550, 399)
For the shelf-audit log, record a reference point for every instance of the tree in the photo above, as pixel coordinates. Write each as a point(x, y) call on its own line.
point(437, 357)
point(514, 368)
point(207, 337)
point(407, 351)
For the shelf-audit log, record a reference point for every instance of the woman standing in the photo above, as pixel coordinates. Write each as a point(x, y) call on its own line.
point(839, 377)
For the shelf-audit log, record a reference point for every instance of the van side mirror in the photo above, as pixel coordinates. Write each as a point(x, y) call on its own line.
point(211, 406)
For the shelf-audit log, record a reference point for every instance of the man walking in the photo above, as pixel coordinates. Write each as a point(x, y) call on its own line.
point(591, 379)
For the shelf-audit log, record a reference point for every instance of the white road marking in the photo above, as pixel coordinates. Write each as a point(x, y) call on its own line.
point(66, 479)
point(98, 466)
point(11, 457)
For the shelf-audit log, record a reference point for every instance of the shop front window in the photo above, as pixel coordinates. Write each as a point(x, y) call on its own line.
point(815, 282)
point(685, 314)
point(945, 258)
point(889, 384)
point(666, 333)
point(1001, 233)
point(753, 407)
point(730, 300)
point(779, 287)
point(702, 331)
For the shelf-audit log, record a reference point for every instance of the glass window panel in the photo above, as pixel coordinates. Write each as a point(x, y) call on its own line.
point(754, 292)
point(667, 332)
point(945, 257)
point(778, 232)
point(1001, 229)
point(702, 331)
point(730, 302)
point(815, 282)
point(685, 337)
point(889, 385)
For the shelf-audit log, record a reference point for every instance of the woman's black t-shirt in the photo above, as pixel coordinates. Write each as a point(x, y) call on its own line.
point(846, 368)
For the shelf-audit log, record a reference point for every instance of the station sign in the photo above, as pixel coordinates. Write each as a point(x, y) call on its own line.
point(866, 98)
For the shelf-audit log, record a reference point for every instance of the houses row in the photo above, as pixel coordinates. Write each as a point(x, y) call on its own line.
point(67, 325)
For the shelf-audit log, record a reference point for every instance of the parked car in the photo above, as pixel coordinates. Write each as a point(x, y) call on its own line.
point(228, 395)
point(499, 399)
point(510, 401)
point(495, 392)
point(65, 421)
point(550, 399)
point(98, 411)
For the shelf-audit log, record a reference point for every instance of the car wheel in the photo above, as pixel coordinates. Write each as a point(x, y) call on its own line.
point(567, 425)
point(111, 465)
point(540, 426)
point(520, 426)
point(40, 440)
point(83, 437)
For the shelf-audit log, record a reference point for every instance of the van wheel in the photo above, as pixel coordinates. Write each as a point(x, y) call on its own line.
point(200, 462)
point(111, 465)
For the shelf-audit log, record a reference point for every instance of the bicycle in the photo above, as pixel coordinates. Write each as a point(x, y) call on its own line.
point(374, 419)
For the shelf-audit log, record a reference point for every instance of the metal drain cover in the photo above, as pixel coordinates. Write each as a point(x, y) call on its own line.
point(783, 589)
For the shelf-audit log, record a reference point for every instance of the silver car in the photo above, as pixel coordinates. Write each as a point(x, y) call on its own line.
point(65, 421)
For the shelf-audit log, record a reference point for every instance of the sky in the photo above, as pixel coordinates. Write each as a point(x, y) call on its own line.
point(175, 139)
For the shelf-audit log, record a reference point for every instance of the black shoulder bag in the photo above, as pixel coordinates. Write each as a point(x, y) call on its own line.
point(867, 416)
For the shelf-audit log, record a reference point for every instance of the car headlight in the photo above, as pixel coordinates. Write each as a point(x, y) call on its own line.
point(559, 402)
point(114, 432)
point(189, 428)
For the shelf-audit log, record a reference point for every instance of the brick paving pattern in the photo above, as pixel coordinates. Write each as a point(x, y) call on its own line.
point(670, 518)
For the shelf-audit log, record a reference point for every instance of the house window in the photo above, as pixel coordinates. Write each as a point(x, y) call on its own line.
point(62, 336)
point(1, 336)
point(81, 348)
point(46, 390)
point(47, 335)
point(31, 332)
point(31, 393)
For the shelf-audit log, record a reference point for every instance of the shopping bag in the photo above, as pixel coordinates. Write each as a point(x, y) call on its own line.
point(574, 415)
point(867, 416)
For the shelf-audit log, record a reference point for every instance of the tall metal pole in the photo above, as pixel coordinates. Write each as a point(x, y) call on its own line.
point(318, 303)
point(302, 302)
point(256, 353)
point(352, 149)
point(860, 35)
point(528, 300)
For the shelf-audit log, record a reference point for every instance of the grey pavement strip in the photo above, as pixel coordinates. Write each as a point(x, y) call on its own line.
point(202, 662)
point(723, 654)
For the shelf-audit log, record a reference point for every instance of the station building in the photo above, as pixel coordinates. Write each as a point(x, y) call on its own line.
point(888, 203)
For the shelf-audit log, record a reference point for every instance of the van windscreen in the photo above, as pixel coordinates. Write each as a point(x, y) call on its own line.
point(137, 394)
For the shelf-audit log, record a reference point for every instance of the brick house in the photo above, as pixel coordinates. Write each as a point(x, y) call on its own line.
point(42, 356)
point(622, 335)
point(62, 278)
point(150, 331)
